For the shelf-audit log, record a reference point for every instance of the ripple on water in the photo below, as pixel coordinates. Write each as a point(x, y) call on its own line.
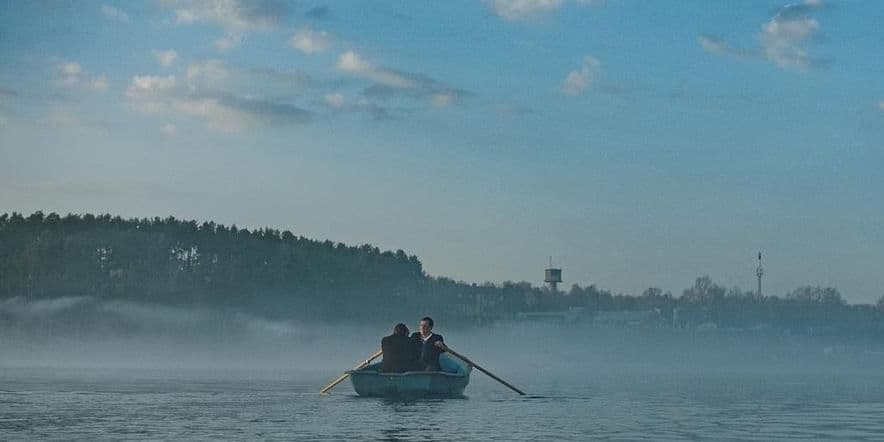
point(671, 408)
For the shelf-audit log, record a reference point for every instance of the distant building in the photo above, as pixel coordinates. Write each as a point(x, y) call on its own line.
point(691, 318)
point(628, 318)
point(573, 314)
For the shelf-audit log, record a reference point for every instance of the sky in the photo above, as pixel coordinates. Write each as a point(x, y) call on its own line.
point(638, 144)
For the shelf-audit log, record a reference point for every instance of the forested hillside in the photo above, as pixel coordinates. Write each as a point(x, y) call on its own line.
point(182, 262)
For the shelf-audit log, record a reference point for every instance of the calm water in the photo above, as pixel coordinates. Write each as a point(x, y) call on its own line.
point(197, 404)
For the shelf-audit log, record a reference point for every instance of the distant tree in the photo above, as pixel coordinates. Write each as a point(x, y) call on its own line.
point(880, 304)
point(652, 292)
point(817, 295)
point(703, 291)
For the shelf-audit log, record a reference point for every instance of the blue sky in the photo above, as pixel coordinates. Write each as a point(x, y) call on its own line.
point(638, 143)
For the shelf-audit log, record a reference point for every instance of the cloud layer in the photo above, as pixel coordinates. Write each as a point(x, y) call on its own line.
point(233, 15)
point(236, 17)
point(523, 9)
point(390, 83)
point(71, 74)
point(210, 91)
point(309, 41)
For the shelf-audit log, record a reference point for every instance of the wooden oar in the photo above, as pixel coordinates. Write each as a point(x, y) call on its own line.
point(475, 365)
point(341, 378)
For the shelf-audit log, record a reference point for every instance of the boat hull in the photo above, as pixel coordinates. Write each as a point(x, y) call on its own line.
point(449, 383)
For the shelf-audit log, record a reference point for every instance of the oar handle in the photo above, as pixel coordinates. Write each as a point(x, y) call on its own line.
point(475, 365)
point(341, 378)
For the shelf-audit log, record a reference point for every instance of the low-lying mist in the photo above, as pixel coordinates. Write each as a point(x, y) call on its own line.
point(85, 332)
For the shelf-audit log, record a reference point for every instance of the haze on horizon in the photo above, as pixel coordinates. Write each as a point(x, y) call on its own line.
point(87, 333)
point(638, 144)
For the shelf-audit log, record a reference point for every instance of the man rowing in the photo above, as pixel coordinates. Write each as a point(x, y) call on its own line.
point(430, 345)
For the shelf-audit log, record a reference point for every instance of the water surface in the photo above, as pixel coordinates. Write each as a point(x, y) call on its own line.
point(65, 404)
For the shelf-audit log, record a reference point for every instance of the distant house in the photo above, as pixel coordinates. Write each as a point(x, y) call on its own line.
point(476, 305)
point(628, 318)
point(691, 318)
point(571, 315)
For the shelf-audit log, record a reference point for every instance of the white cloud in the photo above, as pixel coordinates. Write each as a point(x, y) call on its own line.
point(713, 45)
point(169, 129)
point(69, 74)
point(217, 115)
point(578, 80)
point(209, 72)
point(237, 15)
point(151, 94)
point(391, 78)
point(215, 75)
point(165, 58)
point(718, 46)
point(147, 86)
point(71, 69)
point(334, 100)
point(391, 84)
point(100, 83)
point(309, 41)
point(523, 9)
point(163, 96)
point(115, 13)
point(782, 39)
point(881, 105)
point(204, 93)
point(352, 63)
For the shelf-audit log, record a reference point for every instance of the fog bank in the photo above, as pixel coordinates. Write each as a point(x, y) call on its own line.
point(85, 332)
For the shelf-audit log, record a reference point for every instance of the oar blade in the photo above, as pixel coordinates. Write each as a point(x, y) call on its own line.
point(478, 367)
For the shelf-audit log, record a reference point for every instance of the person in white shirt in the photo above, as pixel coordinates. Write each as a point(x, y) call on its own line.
point(430, 345)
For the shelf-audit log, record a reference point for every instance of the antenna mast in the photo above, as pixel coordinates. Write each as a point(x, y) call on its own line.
point(759, 272)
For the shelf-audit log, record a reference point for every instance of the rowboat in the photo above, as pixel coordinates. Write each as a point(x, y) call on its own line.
point(450, 382)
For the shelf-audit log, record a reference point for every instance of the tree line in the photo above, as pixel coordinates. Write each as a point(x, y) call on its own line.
point(279, 274)
point(173, 261)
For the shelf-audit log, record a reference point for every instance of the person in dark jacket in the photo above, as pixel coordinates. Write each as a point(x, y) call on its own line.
point(430, 345)
point(400, 354)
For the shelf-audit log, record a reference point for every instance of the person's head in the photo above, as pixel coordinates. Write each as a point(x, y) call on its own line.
point(426, 325)
point(400, 329)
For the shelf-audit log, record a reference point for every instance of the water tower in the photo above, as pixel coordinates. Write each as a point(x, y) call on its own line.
point(552, 276)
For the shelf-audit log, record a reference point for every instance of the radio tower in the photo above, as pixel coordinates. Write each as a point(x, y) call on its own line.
point(759, 272)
